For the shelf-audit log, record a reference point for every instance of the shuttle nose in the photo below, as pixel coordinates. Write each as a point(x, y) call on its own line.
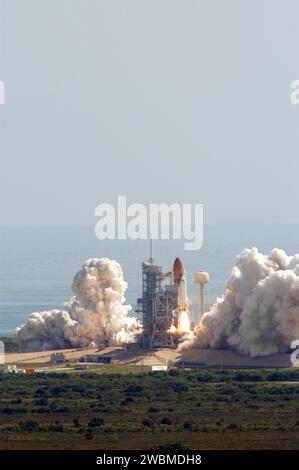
point(178, 270)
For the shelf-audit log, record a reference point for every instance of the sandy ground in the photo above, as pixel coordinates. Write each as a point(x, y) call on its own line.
point(189, 357)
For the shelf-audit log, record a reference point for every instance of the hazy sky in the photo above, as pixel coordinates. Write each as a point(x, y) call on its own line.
point(162, 101)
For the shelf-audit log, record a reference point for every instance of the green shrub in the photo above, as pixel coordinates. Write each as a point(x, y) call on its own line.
point(96, 422)
point(166, 421)
point(188, 426)
point(148, 423)
point(29, 425)
point(152, 409)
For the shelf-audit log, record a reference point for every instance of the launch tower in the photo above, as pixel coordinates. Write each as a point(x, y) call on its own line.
point(158, 305)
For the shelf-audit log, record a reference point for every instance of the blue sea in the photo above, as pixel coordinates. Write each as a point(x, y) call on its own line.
point(37, 265)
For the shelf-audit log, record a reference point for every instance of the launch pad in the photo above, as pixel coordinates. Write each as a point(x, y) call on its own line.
point(158, 306)
point(164, 306)
point(122, 356)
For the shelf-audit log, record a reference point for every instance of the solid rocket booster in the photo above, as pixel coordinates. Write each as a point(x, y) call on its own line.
point(179, 278)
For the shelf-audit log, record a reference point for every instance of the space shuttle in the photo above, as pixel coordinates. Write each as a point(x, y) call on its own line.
point(179, 278)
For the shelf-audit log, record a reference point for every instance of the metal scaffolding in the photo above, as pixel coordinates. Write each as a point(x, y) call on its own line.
point(158, 305)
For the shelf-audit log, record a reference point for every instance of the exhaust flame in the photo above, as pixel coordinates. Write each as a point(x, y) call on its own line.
point(172, 329)
point(184, 322)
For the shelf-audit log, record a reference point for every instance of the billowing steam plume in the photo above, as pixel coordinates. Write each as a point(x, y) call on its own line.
point(95, 315)
point(259, 312)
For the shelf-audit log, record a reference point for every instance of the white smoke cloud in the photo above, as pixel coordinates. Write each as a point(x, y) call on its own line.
point(259, 312)
point(95, 315)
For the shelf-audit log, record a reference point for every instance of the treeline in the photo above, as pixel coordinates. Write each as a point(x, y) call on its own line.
point(110, 393)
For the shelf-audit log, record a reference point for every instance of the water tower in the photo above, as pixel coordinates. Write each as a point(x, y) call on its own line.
point(201, 278)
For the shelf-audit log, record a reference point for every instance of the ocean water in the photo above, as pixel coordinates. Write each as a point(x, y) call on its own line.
point(37, 265)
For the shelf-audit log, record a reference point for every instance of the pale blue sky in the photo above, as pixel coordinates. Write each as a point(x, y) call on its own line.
point(163, 101)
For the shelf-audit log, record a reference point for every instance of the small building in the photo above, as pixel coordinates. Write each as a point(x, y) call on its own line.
point(12, 369)
point(58, 358)
point(93, 358)
point(159, 368)
point(81, 366)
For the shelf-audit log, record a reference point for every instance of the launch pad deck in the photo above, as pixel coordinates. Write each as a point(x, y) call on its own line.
point(172, 357)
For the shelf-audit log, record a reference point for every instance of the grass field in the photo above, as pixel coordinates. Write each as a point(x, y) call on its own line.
point(206, 409)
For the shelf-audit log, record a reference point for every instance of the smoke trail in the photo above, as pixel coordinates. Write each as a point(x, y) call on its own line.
point(95, 315)
point(259, 312)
